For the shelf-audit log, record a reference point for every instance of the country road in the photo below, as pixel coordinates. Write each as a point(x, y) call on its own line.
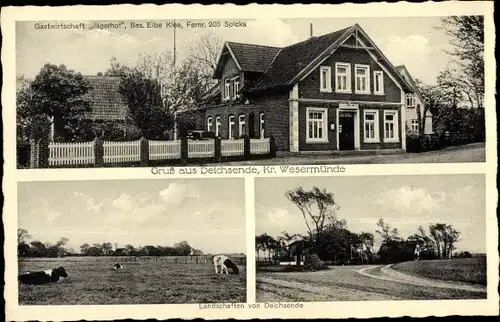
point(358, 283)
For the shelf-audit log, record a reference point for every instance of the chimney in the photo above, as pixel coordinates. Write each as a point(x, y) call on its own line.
point(311, 30)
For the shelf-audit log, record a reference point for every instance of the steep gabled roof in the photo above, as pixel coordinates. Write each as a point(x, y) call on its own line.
point(406, 74)
point(293, 59)
point(106, 101)
point(248, 57)
point(297, 60)
point(253, 58)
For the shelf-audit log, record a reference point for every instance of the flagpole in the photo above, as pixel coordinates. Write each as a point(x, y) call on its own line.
point(175, 112)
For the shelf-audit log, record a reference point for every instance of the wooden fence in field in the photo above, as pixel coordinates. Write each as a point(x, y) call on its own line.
point(144, 152)
point(201, 259)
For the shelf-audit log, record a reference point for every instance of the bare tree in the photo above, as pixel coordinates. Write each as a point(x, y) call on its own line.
point(204, 52)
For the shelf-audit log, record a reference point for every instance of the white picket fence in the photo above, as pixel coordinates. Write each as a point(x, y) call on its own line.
point(164, 150)
point(71, 153)
point(201, 149)
point(116, 152)
point(232, 148)
point(260, 146)
point(64, 154)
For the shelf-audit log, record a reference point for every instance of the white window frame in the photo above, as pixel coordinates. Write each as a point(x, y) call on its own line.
point(227, 89)
point(376, 125)
point(261, 122)
point(209, 124)
point(395, 121)
point(411, 97)
point(236, 86)
point(324, 138)
point(414, 126)
point(328, 87)
point(217, 126)
point(378, 73)
point(230, 122)
point(241, 123)
point(367, 87)
point(348, 78)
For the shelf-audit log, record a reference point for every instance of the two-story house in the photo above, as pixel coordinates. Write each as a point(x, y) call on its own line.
point(415, 107)
point(329, 93)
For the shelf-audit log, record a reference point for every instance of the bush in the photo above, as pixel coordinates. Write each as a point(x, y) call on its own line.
point(313, 263)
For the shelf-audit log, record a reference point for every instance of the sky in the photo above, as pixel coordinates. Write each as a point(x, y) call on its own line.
point(412, 41)
point(208, 213)
point(405, 202)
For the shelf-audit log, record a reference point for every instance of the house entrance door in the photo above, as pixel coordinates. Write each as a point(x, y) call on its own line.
point(346, 131)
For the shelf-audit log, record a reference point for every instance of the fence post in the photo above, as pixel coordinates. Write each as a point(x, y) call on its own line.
point(246, 147)
point(34, 155)
point(272, 147)
point(98, 152)
point(39, 153)
point(184, 150)
point(144, 151)
point(217, 149)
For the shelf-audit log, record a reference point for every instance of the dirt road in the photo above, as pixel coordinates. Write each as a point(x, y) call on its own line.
point(467, 153)
point(358, 283)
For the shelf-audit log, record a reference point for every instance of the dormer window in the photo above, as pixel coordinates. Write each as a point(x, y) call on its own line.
point(342, 77)
point(236, 86)
point(410, 100)
point(227, 87)
point(362, 80)
point(325, 79)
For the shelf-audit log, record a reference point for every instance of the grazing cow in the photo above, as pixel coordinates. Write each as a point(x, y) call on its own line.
point(118, 266)
point(43, 277)
point(224, 262)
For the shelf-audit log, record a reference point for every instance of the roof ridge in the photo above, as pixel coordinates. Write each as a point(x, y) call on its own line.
point(315, 37)
point(249, 44)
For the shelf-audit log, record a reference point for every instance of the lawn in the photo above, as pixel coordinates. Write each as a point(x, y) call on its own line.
point(93, 281)
point(466, 270)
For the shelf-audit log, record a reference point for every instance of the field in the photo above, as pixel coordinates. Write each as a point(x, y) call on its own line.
point(356, 283)
point(92, 281)
point(466, 270)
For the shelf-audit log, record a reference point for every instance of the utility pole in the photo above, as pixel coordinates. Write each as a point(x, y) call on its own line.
point(175, 112)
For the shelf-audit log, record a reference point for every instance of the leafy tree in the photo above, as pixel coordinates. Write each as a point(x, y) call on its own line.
point(84, 249)
point(22, 235)
point(57, 95)
point(197, 252)
point(183, 248)
point(107, 248)
point(387, 233)
point(143, 97)
point(467, 34)
point(317, 207)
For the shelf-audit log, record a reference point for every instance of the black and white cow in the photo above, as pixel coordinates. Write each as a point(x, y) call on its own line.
point(43, 277)
point(224, 262)
point(117, 266)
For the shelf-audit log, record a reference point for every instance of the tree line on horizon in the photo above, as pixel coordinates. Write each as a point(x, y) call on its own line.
point(329, 238)
point(35, 248)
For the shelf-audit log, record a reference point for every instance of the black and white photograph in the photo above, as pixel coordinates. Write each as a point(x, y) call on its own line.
point(370, 238)
point(131, 242)
point(252, 91)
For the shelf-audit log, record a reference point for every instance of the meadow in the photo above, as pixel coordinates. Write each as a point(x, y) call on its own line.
point(93, 281)
point(465, 270)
